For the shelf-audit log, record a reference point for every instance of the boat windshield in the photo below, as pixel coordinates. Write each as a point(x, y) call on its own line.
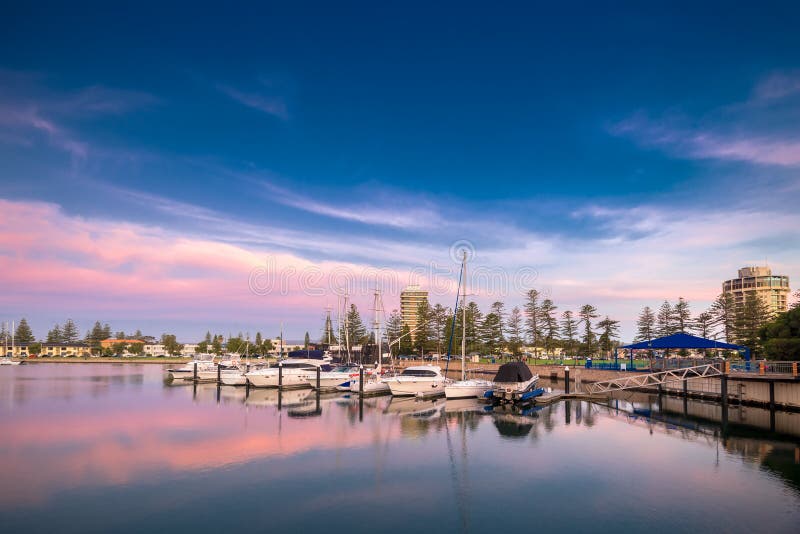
point(418, 372)
point(295, 365)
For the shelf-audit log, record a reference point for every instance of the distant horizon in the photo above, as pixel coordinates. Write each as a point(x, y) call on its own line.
point(235, 172)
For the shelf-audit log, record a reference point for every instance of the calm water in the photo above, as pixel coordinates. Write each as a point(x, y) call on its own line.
point(100, 447)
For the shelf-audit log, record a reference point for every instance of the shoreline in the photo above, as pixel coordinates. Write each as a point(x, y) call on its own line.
point(101, 359)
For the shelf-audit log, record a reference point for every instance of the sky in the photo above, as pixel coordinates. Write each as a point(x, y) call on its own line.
point(236, 168)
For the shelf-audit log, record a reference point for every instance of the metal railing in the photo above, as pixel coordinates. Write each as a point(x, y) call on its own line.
point(765, 367)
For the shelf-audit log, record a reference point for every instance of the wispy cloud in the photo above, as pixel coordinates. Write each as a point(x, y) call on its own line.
point(778, 85)
point(29, 106)
point(758, 131)
point(392, 212)
point(269, 104)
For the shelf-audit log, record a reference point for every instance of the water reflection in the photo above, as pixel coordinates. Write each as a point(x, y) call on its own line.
point(342, 450)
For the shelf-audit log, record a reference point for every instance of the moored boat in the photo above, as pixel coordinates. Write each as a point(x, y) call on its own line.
point(513, 382)
point(419, 381)
point(294, 372)
point(466, 389)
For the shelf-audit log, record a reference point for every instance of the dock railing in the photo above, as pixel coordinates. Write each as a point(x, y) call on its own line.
point(767, 367)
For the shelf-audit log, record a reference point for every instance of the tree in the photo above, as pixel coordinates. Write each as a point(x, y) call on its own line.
point(515, 332)
point(95, 336)
point(549, 324)
point(533, 319)
point(610, 331)
point(439, 316)
point(474, 318)
point(258, 342)
point(750, 317)
point(216, 345)
point(645, 325)
point(781, 336)
point(569, 329)
point(55, 335)
point(106, 331)
point(587, 314)
point(208, 339)
point(499, 309)
point(328, 337)
point(491, 332)
point(703, 324)
point(69, 333)
point(405, 343)
point(394, 329)
point(138, 335)
point(120, 347)
point(665, 320)
point(119, 335)
point(423, 336)
point(35, 348)
point(24, 334)
point(237, 344)
point(724, 312)
point(136, 348)
point(681, 315)
point(796, 303)
point(306, 341)
point(171, 344)
point(356, 332)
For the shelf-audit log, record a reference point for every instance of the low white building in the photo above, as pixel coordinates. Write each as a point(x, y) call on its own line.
point(156, 349)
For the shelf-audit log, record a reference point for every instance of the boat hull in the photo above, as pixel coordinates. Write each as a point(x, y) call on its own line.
point(417, 387)
point(291, 379)
point(371, 387)
point(513, 391)
point(467, 389)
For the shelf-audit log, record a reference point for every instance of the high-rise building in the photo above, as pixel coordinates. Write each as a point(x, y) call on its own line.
point(410, 299)
point(772, 289)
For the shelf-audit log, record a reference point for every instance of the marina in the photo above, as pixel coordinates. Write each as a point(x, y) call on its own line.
point(73, 437)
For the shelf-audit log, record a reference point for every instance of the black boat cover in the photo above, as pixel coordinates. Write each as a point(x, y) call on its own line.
point(513, 429)
point(513, 372)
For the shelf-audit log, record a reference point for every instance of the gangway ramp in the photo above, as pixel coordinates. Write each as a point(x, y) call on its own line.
point(653, 379)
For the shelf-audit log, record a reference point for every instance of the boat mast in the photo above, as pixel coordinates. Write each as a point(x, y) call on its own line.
point(280, 357)
point(346, 328)
point(377, 328)
point(464, 316)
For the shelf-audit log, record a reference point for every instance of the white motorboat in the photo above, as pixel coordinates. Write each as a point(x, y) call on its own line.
point(187, 371)
point(8, 361)
point(419, 381)
point(337, 378)
point(464, 389)
point(374, 384)
point(294, 372)
point(513, 382)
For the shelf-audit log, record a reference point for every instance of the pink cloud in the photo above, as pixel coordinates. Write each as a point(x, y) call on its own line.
point(73, 264)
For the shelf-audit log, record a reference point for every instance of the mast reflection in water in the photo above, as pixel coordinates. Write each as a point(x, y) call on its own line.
point(98, 447)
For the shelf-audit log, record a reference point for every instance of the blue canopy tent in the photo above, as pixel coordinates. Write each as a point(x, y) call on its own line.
point(682, 340)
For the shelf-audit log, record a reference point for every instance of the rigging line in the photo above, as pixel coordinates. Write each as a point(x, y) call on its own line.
point(453, 327)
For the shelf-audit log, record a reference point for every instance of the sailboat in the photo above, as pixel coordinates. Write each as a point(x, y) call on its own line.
point(374, 383)
point(464, 388)
point(6, 359)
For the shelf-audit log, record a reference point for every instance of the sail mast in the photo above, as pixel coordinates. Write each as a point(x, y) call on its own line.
point(464, 316)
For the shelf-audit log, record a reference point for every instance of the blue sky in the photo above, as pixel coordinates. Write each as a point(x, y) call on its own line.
point(624, 154)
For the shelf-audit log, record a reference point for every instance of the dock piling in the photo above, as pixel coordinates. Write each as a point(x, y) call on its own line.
point(194, 373)
point(319, 371)
point(566, 380)
point(360, 380)
point(280, 377)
